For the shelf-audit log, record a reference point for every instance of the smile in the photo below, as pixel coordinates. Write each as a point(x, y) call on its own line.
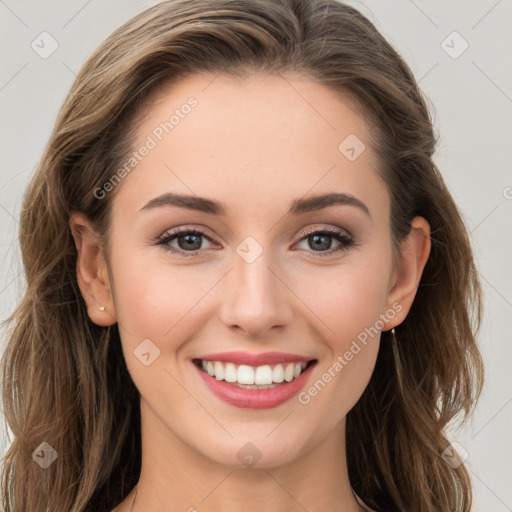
point(257, 386)
point(250, 377)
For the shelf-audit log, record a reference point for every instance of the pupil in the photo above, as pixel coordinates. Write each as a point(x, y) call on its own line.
point(189, 244)
point(317, 244)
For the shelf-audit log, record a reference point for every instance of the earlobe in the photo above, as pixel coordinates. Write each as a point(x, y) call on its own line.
point(91, 271)
point(413, 258)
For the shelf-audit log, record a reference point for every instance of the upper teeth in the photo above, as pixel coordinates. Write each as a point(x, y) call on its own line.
point(259, 375)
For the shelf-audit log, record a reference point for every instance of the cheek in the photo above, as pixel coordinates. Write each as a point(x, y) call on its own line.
point(154, 298)
point(157, 303)
point(350, 325)
point(347, 298)
point(349, 302)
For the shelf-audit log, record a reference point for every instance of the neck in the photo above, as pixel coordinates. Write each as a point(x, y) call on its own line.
point(176, 477)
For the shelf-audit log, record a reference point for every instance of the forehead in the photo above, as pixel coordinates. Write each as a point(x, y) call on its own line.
point(263, 137)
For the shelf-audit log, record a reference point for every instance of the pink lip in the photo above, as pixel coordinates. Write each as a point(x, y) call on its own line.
point(255, 398)
point(255, 359)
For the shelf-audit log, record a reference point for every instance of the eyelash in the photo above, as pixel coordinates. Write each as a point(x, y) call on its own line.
point(164, 239)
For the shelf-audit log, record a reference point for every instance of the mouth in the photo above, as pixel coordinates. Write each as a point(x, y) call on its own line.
point(249, 377)
point(257, 387)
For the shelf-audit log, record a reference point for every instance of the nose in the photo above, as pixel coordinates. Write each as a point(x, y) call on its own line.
point(256, 298)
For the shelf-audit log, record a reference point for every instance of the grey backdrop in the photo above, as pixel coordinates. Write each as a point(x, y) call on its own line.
point(460, 53)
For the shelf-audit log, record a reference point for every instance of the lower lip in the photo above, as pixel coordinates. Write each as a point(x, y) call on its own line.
point(255, 398)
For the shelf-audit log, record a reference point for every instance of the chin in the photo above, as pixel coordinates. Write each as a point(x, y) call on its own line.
point(258, 450)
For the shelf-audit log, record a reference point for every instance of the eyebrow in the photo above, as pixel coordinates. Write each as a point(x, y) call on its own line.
point(204, 205)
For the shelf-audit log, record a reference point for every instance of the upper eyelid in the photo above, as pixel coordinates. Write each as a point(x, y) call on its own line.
point(347, 241)
point(175, 232)
point(331, 230)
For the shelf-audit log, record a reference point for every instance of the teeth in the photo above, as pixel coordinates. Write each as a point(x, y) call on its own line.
point(260, 377)
point(230, 372)
point(219, 370)
point(288, 373)
point(245, 374)
point(263, 375)
point(278, 373)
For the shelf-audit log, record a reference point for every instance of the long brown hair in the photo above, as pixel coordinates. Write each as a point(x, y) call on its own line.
point(64, 378)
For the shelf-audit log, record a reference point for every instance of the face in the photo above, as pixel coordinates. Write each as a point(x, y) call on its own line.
point(248, 272)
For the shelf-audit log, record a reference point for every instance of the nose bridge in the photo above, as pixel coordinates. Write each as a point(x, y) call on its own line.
point(255, 297)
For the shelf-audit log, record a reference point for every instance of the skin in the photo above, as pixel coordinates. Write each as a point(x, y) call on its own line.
point(255, 145)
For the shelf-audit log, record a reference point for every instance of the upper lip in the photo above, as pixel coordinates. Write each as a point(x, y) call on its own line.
point(255, 359)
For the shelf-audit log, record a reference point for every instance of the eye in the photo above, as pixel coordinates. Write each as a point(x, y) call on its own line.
point(320, 239)
point(188, 240)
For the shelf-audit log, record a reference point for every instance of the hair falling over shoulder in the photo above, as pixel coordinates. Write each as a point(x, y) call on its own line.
point(64, 379)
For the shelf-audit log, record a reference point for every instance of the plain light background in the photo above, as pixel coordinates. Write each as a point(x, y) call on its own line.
point(471, 94)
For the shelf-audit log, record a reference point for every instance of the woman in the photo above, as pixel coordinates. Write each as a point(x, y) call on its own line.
point(247, 284)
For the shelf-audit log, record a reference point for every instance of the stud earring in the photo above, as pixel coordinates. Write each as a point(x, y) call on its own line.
point(99, 308)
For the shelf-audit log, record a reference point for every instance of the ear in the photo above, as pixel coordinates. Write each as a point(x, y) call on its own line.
point(406, 277)
point(92, 271)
